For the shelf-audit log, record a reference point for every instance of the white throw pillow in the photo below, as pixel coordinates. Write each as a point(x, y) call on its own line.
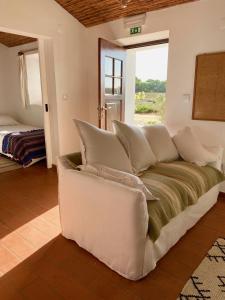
point(191, 150)
point(102, 147)
point(136, 145)
point(161, 143)
point(118, 176)
point(6, 120)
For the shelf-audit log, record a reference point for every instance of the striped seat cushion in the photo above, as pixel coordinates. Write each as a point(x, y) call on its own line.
point(177, 184)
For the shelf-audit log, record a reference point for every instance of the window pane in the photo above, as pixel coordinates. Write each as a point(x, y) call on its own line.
point(117, 86)
point(108, 66)
point(118, 68)
point(108, 85)
point(33, 79)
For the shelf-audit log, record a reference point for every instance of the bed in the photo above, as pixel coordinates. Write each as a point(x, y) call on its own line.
point(23, 143)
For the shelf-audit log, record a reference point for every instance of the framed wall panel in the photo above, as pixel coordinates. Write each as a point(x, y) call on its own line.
point(209, 90)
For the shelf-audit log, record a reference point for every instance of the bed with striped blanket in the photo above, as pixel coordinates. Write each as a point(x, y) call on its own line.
point(25, 146)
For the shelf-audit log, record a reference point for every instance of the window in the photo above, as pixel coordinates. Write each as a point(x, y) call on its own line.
point(33, 78)
point(113, 76)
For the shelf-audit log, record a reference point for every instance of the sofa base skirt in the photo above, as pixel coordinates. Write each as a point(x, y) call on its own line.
point(169, 236)
point(176, 228)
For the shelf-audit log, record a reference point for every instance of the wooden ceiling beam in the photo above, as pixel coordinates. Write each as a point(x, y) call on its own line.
point(95, 12)
point(12, 40)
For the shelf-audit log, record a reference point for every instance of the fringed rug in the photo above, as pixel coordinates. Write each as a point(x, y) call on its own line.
point(8, 165)
point(208, 280)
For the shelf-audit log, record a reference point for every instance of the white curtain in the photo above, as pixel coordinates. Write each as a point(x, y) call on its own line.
point(23, 81)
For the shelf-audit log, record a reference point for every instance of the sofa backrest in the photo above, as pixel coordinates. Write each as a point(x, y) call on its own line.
point(161, 143)
point(158, 138)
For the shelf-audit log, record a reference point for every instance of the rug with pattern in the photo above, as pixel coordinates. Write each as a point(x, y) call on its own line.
point(208, 280)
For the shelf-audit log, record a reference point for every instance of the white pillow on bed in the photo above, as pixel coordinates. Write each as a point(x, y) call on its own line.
point(191, 150)
point(6, 120)
point(118, 176)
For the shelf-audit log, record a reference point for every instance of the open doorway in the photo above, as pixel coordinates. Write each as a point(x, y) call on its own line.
point(132, 80)
point(146, 84)
point(23, 137)
point(150, 84)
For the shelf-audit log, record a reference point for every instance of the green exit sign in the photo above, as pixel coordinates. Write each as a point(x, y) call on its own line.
point(135, 30)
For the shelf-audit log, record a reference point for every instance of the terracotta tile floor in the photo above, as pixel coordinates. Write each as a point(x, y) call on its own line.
point(36, 262)
point(28, 198)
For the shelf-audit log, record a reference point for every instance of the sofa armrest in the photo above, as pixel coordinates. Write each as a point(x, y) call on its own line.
point(108, 219)
point(219, 152)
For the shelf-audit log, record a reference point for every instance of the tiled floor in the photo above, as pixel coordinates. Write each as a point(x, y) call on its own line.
point(36, 262)
point(29, 216)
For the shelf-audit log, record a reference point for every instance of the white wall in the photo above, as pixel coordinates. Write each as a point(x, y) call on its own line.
point(194, 28)
point(4, 97)
point(10, 98)
point(46, 19)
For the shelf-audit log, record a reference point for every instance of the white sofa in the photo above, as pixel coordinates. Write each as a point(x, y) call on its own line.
point(110, 220)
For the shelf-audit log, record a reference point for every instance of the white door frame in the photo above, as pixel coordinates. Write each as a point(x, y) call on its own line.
point(45, 101)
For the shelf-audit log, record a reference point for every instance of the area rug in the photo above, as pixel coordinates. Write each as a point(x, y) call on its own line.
point(8, 165)
point(208, 280)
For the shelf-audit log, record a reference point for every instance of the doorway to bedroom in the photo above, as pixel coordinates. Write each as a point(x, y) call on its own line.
point(29, 216)
point(23, 138)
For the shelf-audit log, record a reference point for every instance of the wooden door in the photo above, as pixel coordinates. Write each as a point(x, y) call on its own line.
point(111, 83)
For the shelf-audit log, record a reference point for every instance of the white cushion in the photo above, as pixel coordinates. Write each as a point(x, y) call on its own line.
point(118, 176)
point(136, 145)
point(6, 120)
point(191, 150)
point(161, 143)
point(102, 147)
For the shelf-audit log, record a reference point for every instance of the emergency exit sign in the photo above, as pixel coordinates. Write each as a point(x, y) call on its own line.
point(135, 30)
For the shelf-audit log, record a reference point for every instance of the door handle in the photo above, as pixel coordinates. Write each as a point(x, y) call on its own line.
point(101, 109)
point(106, 108)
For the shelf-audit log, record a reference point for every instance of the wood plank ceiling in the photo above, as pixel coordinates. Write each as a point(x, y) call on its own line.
point(94, 12)
point(12, 40)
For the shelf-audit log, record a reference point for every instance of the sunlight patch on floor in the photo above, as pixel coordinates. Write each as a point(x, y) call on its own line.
point(18, 245)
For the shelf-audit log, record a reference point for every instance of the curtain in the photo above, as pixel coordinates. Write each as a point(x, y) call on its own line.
point(23, 81)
